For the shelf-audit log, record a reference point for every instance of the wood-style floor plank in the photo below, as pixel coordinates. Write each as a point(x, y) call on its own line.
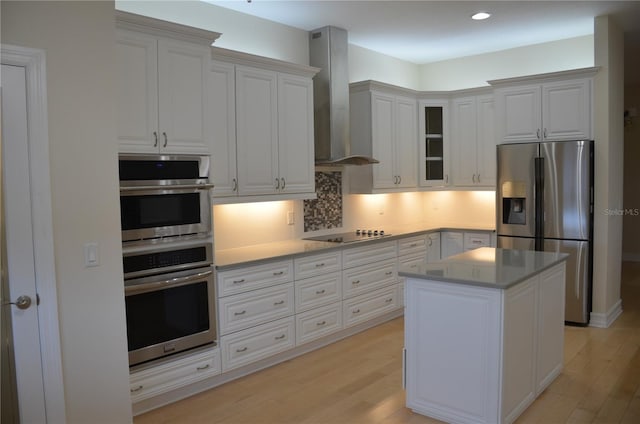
point(358, 380)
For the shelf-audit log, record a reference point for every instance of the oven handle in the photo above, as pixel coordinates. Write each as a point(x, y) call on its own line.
point(168, 187)
point(178, 281)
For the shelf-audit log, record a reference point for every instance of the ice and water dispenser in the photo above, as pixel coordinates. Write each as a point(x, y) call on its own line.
point(514, 201)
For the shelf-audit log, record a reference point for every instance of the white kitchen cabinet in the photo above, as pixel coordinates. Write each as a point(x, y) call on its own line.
point(383, 125)
point(433, 247)
point(163, 102)
point(318, 291)
point(452, 243)
point(243, 279)
point(473, 144)
point(147, 382)
point(434, 142)
point(476, 240)
point(318, 322)
point(545, 108)
point(501, 348)
point(367, 306)
point(364, 278)
point(265, 146)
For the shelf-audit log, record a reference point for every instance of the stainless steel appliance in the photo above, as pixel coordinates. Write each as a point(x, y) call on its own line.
point(169, 298)
point(351, 237)
point(164, 196)
point(544, 201)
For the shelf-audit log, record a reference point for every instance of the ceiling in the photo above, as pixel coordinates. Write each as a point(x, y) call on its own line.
point(430, 31)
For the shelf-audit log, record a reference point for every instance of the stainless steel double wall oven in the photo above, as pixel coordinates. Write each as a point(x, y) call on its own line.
point(167, 244)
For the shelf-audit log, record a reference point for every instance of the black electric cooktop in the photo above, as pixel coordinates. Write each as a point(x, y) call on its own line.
point(351, 237)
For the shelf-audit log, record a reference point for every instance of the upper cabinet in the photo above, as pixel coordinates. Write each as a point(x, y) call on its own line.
point(384, 126)
point(473, 147)
point(163, 105)
point(555, 106)
point(264, 128)
point(434, 142)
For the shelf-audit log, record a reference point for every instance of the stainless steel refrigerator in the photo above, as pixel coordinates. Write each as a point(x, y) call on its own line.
point(545, 202)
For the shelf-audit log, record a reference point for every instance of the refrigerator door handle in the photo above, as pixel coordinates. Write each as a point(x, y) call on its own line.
point(539, 201)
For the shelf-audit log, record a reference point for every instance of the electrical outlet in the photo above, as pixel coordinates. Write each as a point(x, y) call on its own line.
point(291, 218)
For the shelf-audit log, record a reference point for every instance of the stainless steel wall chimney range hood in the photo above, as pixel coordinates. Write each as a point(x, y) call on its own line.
point(328, 50)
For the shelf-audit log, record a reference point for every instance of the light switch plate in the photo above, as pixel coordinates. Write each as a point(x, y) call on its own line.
point(91, 254)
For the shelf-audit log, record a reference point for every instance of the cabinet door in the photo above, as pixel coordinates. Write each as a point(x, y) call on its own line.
point(463, 145)
point(221, 91)
point(486, 141)
point(519, 114)
point(383, 133)
point(452, 243)
point(295, 134)
point(137, 79)
point(433, 247)
point(183, 105)
point(566, 111)
point(406, 139)
point(256, 131)
point(434, 143)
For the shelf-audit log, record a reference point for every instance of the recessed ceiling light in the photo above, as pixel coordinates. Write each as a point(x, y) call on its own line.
point(480, 16)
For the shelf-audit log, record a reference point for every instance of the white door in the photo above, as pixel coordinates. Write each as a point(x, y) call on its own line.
point(383, 134)
point(20, 265)
point(406, 148)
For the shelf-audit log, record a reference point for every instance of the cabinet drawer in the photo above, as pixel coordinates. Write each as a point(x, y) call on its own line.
point(170, 375)
point(365, 278)
point(254, 277)
point(413, 262)
point(475, 240)
point(318, 322)
point(365, 307)
point(256, 307)
point(412, 245)
point(376, 252)
point(317, 291)
point(310, 266)
point(256, 343)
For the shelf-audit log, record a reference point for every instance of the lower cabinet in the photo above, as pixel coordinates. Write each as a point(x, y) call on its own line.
point(319, 322)
point(255, 343)
point(371, 305)
point(147, 383)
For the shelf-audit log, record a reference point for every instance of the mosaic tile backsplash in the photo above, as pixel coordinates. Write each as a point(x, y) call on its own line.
point(325, 212)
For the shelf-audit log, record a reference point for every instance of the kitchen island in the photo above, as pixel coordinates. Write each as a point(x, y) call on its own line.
point(484, 333)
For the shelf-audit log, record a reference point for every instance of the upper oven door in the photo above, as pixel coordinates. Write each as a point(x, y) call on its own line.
point(147, 213)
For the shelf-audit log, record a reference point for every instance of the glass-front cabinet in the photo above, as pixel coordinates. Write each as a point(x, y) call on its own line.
point(434, 143)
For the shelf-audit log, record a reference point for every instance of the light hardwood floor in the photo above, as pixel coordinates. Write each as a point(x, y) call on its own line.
point(358, 380)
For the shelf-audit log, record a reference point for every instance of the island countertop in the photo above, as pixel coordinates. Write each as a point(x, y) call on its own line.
point(487, 267)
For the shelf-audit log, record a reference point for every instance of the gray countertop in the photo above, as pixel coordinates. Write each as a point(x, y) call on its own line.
point(487, 267)
point(241, 256)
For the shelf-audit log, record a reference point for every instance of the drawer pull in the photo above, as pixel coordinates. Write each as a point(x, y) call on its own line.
point(320, 291)
point(320, 265)
point(240, 313)
point(356, 311)
point(275, 274)
point(242, 349)
point(278, 303)
point(202, 368)
point(355, 282)
point(238, 281)
point(388, 273)
point(279, 337)
point(389, 300)
point(137, 389)
point(414, 244)
point(321, 323)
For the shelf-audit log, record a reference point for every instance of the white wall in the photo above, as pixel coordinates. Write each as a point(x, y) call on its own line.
point(240, 32)
point(78, 38)
point(365, 64)
point(475, 71)
point(609, 149)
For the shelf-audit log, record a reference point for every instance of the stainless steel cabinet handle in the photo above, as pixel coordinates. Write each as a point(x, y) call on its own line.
point(413, 244)
point(321, 323)
point(238, 281)
point(478, 177)
point(235, 185)
point(202, 368)
point(137, 389)
point(389, 300)
point(165, 139)
point(388, 273)
point(399, 179)
point(320, 291)
point(281, 302)
point(277, 184)
point(240, 313)
point(284, 183)
point(279, 337)
point(474, 178)
point(242, 349)
point(321, 264)
point(155, 136)
point(355, 282)
point(275, 274)
point(356, 311)
point(178, 281)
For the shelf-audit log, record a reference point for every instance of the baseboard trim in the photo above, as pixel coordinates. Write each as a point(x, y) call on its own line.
point(605, 320)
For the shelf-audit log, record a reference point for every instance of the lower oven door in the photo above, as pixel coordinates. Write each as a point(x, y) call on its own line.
point(169, 313)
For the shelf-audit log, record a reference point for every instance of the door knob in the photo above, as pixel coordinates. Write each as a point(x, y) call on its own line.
point(23, 302)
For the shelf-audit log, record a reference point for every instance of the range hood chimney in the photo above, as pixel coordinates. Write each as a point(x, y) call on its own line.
point(328, 50)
